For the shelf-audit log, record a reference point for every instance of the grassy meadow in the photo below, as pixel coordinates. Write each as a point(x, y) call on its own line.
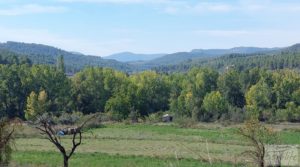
point(145, 145)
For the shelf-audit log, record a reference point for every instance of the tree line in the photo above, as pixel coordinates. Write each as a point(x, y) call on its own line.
point(202, 94)
point(242, 62)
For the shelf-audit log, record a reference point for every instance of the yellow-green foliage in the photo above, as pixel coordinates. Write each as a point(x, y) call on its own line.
point(258, 137)
point(36, 104)
point(215, 103)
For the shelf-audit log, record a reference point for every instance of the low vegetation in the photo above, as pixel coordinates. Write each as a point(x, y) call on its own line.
point(129, 128)
point(6, 141)
point(146, 145)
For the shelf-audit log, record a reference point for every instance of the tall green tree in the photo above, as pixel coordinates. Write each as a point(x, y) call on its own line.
point(258, 98)
point(230, 86)
point(214, 105)
point(285, 83)
point(61, 64)
point(12, 94)
point(152, 92)
point(193, 87)
point(88, 90)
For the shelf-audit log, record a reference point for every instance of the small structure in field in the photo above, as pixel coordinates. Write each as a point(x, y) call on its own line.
point(69, 131)
point(167, 118)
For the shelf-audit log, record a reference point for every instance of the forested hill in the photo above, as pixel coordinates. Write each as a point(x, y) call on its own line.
point(240, 57)
point(8, 57)
point(179, 57)
point(43, 54)
point(288, 57)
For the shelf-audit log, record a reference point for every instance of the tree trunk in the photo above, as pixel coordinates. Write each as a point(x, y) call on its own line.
point(66, 161)
point(262, 163)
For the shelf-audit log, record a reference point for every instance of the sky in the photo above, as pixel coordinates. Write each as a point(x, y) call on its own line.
point(104, 27)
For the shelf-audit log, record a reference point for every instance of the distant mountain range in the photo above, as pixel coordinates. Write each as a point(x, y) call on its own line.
point(175, 58)
point(272, 59)
point(242, 50)
point(127, 61)
point(129, 56)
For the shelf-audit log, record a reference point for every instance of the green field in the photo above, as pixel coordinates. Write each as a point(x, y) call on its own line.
point(144, 145)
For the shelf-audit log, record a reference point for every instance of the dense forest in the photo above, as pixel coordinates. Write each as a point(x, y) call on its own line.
point(7, 57)
point(202, 94)
point(285, 58)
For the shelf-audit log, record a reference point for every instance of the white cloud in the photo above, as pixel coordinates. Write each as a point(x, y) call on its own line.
point(206, 6)
point(233, 38)
point(31, 9)
point(106, 1)
point(116, 1)
point(210, 7)
point(222, 33)
point(169, 6)
point(260, 7)
point(198, 8)
point(268, 6)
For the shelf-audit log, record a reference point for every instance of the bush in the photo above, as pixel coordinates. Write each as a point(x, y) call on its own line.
point(95, 122)
point(69, 118)
point(236, 114)
point(291, 113)
point(185, 122)
point(268, 115)
point(155, 117)
point(258, 136)
point(134, 116)
point(6, 139)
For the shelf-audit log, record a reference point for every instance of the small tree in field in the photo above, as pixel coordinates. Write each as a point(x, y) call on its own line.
point(37, 112)
point(258, 137)
point(6, 139)
point(52, 134)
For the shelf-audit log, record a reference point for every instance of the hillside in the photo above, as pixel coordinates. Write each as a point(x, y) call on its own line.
point(43, 54)
point(176, 58)
point(294, 48)
point(129, 57)
point(288, 57)
point(242, 50)
point(243, 57)
point(8, 57)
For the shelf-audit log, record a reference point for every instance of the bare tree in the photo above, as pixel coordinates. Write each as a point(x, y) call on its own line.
point(258, 137)
point(37, 111)
point(53, 135)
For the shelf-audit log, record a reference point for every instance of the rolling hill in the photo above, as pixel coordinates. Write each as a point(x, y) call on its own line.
point(180, 61)
point(179, 57)
point(272, 59)
point(43, 54)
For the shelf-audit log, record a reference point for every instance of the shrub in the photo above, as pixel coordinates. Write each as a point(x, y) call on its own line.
point(69, 118)
point(155, 117)
point(291, 113)
point(6, 139)
point(185, 122)
point(134, 116)
point(235, 114)
point(95, 122)
point(258, 136)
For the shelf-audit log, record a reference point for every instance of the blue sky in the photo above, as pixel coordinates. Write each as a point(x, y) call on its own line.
point(103, 27)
